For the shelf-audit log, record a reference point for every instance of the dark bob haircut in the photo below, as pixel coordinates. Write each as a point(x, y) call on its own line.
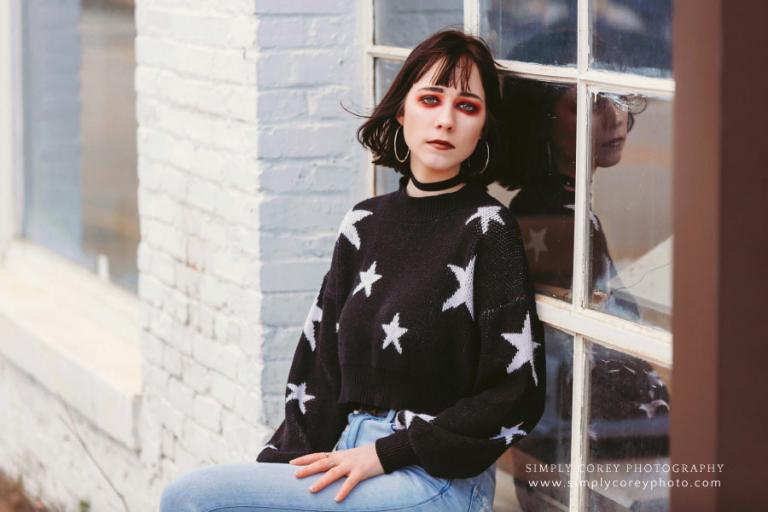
point(456, 52)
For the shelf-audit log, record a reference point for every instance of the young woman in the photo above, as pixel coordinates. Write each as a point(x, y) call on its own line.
point(422, 359)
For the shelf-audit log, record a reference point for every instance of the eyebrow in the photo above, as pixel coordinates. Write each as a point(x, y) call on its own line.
point(463, 93)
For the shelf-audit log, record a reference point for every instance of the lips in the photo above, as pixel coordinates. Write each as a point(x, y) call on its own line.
point(440, 144)
point(614, 143)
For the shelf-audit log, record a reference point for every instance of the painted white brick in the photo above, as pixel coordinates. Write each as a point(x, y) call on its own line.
point(304, 213)
point(223, 390)
point(293, 275)
point(218, 65)
point(208, 413)
point(286, 309)
point(280, 343)
point(277, 246)
point(172, 361)
point(216, 356)
point(303, 8)
point(278, 70)
point(282, 105)
point(181, 396)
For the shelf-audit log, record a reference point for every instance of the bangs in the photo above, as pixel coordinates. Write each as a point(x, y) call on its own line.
point(453, 70)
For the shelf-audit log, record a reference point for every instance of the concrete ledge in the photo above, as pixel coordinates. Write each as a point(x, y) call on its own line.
point(76, 335)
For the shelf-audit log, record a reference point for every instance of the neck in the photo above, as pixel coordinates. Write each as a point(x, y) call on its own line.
point(425, 176)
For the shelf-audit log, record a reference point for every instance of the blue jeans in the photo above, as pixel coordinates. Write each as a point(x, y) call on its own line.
point(256, 486)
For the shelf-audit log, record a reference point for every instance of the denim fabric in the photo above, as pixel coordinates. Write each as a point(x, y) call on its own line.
point(255, 486)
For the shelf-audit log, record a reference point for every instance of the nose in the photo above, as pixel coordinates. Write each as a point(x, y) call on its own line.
point(444, 118)
point(612, 117)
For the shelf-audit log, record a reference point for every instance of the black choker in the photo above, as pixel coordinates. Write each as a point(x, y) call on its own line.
point(436, 185)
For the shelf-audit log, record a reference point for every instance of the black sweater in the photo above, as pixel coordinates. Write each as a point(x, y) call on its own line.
point(427, 308)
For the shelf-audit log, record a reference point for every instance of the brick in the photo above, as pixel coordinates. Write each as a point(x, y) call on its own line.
point(208, 413)
point(293, 276)
point(223, 390)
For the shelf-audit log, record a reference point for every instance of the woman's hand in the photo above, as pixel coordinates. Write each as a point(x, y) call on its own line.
point(356, 464)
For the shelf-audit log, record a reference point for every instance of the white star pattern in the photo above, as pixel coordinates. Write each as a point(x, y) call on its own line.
point(486, 214)
point(299, 393)
point(393, 333)
point(269, 446)
point(409, 415)
point(523, 342)
point(367, 279)
point(348, 228)
point(536, 242)
point(463, 295)
point(315, 315)
point(592, 215)
point(510, 432)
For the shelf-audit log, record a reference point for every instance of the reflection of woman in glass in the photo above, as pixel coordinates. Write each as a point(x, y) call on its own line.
point(417, 366)
point(542, 146)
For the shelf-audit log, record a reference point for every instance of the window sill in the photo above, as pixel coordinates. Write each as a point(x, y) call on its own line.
point(75, 334)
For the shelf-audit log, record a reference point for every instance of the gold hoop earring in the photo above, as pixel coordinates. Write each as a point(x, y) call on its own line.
point(394, 147)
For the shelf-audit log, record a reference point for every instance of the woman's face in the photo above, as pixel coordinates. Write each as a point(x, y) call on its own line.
point(609, 130)
point(439, 113)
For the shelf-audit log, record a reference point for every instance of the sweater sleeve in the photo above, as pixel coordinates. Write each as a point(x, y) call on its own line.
point(313, 419)
point(507, 399)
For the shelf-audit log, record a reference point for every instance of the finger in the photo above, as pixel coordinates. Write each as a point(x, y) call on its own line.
point(307, 459)
point(324, 464)
point(328, 478)
point(349, 484)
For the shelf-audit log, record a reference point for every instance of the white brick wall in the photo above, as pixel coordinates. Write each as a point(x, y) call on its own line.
point(247, 166)
point(246, 163)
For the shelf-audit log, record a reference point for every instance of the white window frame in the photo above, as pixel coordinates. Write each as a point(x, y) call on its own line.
point(584, 324)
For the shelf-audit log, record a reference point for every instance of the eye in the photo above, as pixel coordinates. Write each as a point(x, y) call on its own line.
point(467, 107)
point(429, 100)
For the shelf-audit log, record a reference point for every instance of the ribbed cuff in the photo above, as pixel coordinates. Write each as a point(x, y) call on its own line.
point(395, 451)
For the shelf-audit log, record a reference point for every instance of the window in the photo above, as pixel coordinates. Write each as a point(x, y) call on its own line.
point(80, 180)
point(588, 92)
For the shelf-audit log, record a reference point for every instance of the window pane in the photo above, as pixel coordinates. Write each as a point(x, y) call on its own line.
point(549, 443)
point(632, 36)
point(385, 71)
point(406, 23)
point(631, 221)
point(628, 426)
point(541, 140)
point(80, 141)
point(541, 31)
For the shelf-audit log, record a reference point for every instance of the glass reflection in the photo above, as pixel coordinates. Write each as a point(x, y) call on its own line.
point(540, 121)
point(540, 31)
point(632, 36)
point(550, 442)
point(631, 219)
point(405, 23)
point(628, 425)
